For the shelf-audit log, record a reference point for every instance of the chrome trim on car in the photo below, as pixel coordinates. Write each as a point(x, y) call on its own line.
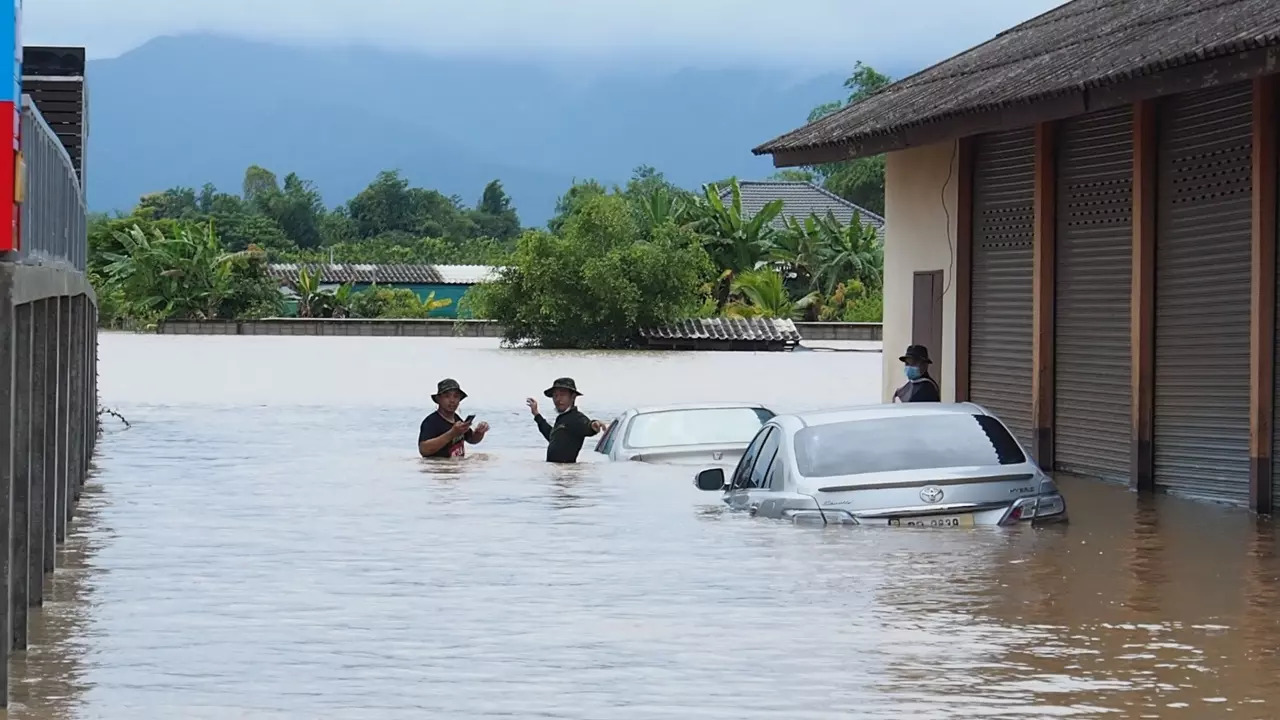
point(921, 510)
point(1020, 477)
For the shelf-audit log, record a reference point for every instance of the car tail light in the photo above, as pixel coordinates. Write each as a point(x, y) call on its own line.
point(1041, 506)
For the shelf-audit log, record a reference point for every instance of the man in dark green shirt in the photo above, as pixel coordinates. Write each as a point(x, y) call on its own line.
point(565, 436)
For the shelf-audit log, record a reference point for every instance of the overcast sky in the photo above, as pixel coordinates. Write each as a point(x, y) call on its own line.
point(803, 33)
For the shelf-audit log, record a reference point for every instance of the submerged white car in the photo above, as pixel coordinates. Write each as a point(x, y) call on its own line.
point(902, 464)
point(703, 433)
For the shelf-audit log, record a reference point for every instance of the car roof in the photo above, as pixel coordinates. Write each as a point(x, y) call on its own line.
point(884, 410)
point(697, 406)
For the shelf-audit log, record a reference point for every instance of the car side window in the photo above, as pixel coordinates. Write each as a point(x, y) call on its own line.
point(606, 441)
point(768, 450)
point(775, 479)
point(742, 473)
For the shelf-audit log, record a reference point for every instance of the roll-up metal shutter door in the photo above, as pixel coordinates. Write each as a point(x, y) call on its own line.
point(1203, 257)
point(1001, 295)
point(1092, 355)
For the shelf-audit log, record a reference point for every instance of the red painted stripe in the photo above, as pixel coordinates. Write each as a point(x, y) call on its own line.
point(10, 125)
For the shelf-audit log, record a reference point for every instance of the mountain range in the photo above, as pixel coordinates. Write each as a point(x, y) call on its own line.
point(183, 111)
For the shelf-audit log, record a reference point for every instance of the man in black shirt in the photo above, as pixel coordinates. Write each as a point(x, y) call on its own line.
point(564, 438)
point(920, 386)
point(442, 432)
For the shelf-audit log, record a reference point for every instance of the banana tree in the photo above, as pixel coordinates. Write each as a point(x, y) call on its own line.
point(430, 303)
point(183, 275)
point(852, 251)
point(307, 286)
point(737, 242)
point(317, 302)
point(799, 249)
point(661, 206)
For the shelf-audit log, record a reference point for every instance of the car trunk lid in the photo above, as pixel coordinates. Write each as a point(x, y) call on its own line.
point(910, 493)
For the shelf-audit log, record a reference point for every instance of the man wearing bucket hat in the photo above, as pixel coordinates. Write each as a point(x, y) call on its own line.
point(442, 432)
point(565, 436)
point(920, 386)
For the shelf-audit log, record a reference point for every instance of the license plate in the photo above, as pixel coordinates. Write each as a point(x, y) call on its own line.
point(933, 521)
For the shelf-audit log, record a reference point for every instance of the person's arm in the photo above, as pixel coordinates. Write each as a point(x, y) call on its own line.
point(585, 426)
point(433, 445)
point(544, 427)
point(476, 435)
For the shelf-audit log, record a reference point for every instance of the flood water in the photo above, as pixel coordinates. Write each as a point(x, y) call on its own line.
point(264, 543)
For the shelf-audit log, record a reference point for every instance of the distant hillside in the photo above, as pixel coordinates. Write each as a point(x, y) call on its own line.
point(189, 110)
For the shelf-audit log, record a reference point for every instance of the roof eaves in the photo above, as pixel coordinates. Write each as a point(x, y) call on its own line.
point(786, 142)
point(899, 83)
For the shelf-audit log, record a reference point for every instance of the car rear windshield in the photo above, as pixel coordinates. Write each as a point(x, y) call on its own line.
point(696, 426)
point(911, 442)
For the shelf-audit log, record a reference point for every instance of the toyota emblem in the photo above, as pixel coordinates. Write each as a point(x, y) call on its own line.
point(931, 494)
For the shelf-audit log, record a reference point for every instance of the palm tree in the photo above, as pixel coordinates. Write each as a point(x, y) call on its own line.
point(766, 296)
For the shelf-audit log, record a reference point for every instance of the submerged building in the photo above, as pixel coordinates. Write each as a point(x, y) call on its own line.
point(1081, 225)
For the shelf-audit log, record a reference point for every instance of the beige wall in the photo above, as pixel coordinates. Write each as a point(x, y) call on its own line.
point(916, 238)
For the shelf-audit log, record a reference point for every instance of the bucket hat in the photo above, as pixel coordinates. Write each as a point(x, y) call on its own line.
point(566, 383)
point(445, 386)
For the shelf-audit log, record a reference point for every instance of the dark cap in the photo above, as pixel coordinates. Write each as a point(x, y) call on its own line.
point(445, 386)
point(566, 383)
point(916, 353)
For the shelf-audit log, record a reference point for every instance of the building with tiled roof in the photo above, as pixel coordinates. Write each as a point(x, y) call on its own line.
point(445, 281)
point(799, 200)
point(1084, 236)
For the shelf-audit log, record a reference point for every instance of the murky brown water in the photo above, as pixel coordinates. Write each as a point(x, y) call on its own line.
point(264, 543)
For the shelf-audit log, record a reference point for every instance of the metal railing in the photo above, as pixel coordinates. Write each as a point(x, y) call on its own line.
point(54, 214)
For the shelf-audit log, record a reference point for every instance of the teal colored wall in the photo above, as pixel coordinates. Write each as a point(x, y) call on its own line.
point(443, 292)
point(451, 292)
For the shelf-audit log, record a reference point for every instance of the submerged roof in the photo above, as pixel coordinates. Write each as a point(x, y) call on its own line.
point(799, 200)
point(388, 274)
point(729, 329)
point(1079, 46)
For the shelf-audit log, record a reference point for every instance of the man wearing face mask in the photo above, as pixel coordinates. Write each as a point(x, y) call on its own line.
point(564, 438)
point(920, 387)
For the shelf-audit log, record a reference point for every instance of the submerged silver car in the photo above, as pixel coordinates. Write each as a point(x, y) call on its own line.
point(702, 433)
point(902, 464)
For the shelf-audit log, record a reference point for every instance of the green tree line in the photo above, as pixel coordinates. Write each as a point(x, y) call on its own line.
point(612, 260)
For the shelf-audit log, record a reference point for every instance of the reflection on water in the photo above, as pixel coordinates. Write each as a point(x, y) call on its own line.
point(263, 543)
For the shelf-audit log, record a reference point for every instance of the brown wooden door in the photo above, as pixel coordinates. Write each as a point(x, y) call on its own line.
point(926, 314)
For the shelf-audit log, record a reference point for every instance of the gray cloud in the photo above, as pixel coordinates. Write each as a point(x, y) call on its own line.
point(803, 33)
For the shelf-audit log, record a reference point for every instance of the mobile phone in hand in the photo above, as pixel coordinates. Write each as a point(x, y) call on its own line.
point(469, 419)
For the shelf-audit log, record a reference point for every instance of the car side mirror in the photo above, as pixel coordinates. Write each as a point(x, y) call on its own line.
point(710, 479)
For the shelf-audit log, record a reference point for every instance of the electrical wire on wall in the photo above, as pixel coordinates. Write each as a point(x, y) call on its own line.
point(951, 269)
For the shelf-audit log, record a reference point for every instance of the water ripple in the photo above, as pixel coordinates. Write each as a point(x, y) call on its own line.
point(272, 549)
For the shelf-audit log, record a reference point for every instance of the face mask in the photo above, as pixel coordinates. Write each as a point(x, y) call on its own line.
point(913, 372)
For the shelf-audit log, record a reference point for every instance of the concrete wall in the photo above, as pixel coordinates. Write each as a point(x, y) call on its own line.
point(48, 428)
point(437, 328)
point(920, 236)
point(335, 327)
